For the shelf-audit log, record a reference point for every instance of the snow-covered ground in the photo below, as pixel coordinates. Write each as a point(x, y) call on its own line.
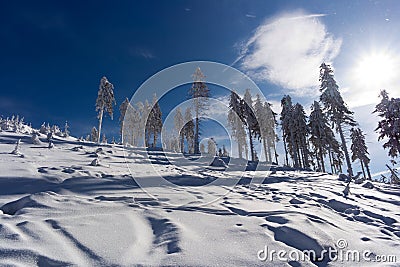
point(56, 209)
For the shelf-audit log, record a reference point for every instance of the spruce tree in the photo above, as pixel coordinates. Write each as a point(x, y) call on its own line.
point(336, 108)
point(179, 123)
point(321, 135)
point(189, 131)
point(389, 125)
point(300, 134)
point(212, 147)
point(359, 150)
point(104, 102)
point(287, 119)
point(250, 119)
point(122, 111)
point(236, 123)
point(154, 121)
point(94, 135)
point(199, 92)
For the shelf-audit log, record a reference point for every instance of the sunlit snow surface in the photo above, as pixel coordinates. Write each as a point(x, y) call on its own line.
point(57, 209)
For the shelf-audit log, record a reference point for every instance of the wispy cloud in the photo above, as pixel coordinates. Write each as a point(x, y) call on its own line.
point(141, 52)
point(250, 16)
point(287, 50)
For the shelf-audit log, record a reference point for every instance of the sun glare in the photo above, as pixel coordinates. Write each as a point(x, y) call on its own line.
point(376, 69)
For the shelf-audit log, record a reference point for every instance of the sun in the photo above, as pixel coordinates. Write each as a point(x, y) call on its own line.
point(376, 69)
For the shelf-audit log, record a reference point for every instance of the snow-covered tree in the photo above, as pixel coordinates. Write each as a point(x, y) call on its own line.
point(189, 132)
point(389, 125)
point(250, 120)
point(237, 124)
point(301, 132)
point(66, 129)
point(104, 139)
point(104, 102)
point(359, 150)
point(178, 124)
point(321, 135)
point(267, 122)
point(17, 147)
point(202, 148)
point(211, 147)
point(199, 92)
point(122, 111)
point(94, 135)
point(272, 136)
point(154, 121)
point(288, 130)
point(336, 108)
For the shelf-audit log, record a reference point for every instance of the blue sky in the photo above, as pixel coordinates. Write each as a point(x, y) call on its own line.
point(53, 53)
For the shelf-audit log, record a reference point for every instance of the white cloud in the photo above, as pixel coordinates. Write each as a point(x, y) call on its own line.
point(288, 50)
point(250, 16)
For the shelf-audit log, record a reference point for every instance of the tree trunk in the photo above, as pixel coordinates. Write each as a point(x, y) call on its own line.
point(100, 122)
point(321, 156)
point(330, 160)
point(240, 150)
point(267, 158)
point(286, 153)
point(368, 171)
point(196, 135)
point(344, 148)
point(154, 139)
point(295, 159)
point(269, 151)
point(276, 154)
point(182, 143)
point(362, 168)
point(251, 146)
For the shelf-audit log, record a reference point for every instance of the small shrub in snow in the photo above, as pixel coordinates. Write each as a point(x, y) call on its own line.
point(16, 149)
point(77, 148)
point(343, 177)
point(35, 139)
point(51, 145)
point(368, 185)
point(359, 180)
point(99, 151)
point(95, 162)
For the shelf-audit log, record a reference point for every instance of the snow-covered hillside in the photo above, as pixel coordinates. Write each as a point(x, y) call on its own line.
point(57, 209)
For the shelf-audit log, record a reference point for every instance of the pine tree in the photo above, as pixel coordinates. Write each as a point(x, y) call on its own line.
point(237, 124)
point(66, 129)
point(212, 147)
point(321, 135)
point(104, 139)
point(389, 125)
point(131, 126)
point(122, 110)
point(359, 150)
point(199, 92)
point(202, 148)
point(154, 121)
point(251, 121)
point(301, 134)
point(189, 131)
point(144, 110)
point(287, 118)
point(105, 101)
point(94, 135)
point(179, 123)
point(335, 107)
